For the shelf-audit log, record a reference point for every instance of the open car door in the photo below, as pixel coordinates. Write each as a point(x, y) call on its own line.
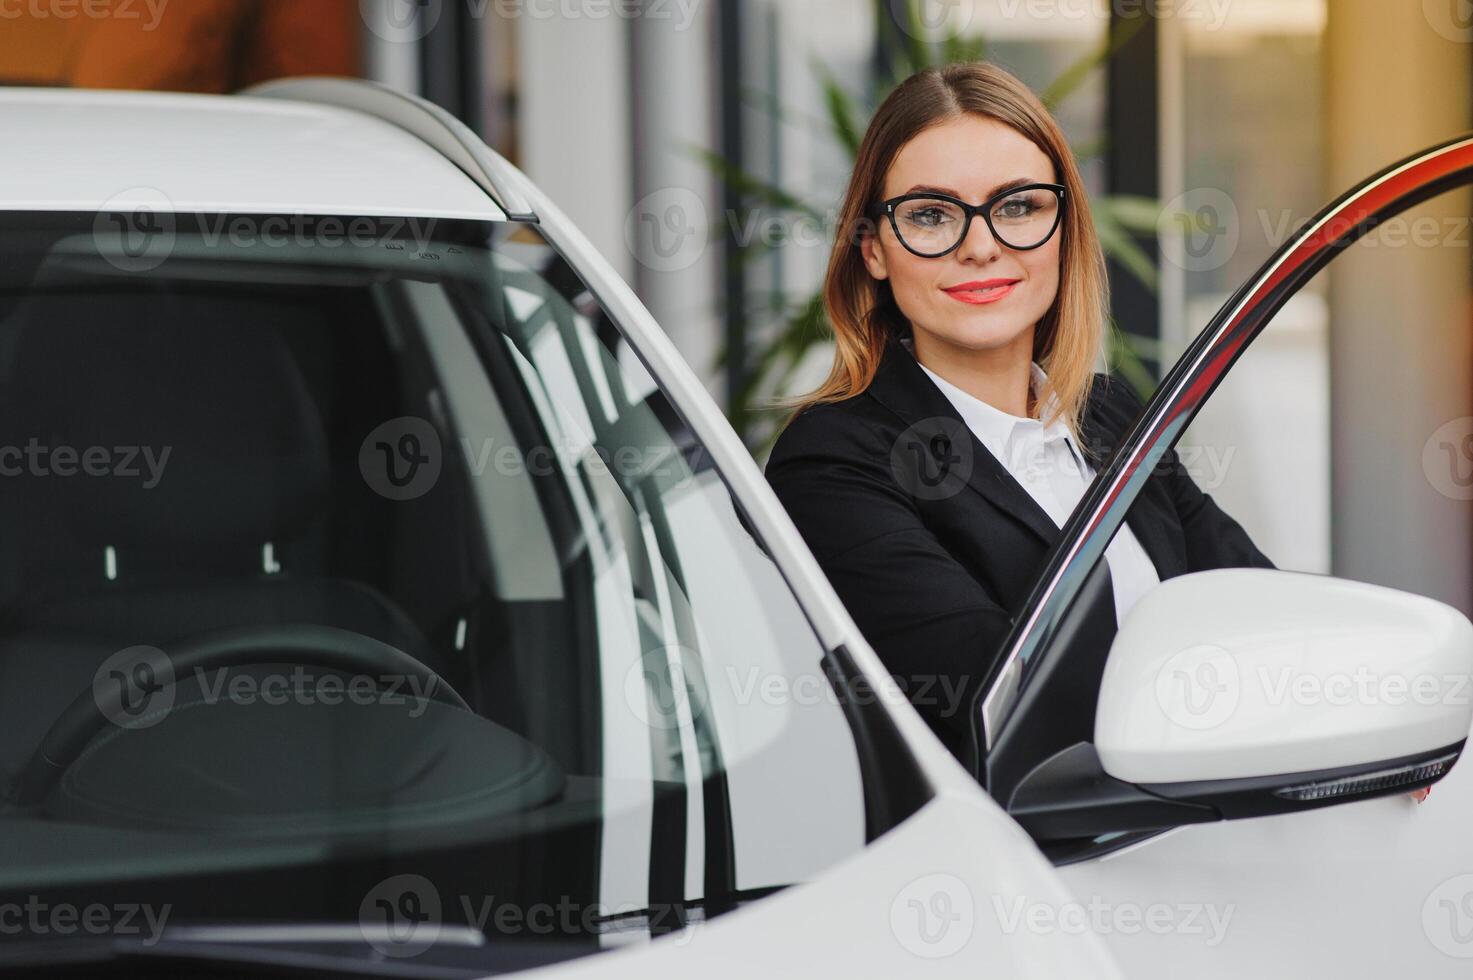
point(1198, 812)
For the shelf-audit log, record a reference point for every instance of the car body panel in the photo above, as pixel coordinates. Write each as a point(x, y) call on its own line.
point(957, 890)
point(99, 150)
point(1371, 889)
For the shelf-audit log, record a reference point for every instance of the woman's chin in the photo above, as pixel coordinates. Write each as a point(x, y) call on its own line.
point(980, 336)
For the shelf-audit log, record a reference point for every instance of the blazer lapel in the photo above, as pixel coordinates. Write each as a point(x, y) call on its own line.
point(902, 386)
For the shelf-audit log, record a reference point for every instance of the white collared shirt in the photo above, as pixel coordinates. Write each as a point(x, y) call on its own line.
point(1048, 463)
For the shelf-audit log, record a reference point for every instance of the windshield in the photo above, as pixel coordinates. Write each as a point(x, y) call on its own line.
point(355, 571)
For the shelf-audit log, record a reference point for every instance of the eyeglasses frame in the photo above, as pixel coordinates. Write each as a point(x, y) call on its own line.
point(971, 211)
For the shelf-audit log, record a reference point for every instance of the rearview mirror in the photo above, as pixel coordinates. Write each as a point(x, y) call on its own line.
point(1243, 691)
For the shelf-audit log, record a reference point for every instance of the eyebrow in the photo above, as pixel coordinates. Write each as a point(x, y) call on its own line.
point(1000, 188)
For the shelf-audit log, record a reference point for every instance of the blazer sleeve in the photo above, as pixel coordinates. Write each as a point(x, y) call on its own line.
point(1214, 540)
point(935, 627)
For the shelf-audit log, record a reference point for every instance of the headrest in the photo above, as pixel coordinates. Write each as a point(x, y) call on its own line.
point(160, 420)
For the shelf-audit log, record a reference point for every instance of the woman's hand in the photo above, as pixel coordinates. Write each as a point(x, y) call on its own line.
point(1420, 794)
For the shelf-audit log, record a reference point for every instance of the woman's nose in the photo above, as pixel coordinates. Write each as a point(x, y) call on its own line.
point(979, 244)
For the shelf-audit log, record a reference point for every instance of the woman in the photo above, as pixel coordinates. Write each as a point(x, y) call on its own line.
point(962, 419)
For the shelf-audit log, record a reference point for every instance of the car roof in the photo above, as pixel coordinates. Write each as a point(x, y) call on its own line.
point(90, 150)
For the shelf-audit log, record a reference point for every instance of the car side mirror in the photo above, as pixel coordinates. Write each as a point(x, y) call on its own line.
point(1242, 692)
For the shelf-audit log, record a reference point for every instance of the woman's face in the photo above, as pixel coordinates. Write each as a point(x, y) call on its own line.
point(970, 158)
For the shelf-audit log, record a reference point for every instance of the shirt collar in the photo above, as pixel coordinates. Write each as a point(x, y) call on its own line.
point(1000, 432)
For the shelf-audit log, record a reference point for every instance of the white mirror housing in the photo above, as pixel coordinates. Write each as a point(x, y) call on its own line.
point(1246, 673)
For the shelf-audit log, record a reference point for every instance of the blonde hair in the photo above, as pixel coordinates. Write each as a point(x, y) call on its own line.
point(862, 310)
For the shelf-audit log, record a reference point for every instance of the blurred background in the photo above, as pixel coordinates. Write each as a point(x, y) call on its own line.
point(703, 144)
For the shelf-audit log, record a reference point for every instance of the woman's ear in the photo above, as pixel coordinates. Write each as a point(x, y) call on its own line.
point(874, 256)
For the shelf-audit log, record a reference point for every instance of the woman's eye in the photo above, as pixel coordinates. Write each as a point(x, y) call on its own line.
point(927, 217)
point(1020, 208)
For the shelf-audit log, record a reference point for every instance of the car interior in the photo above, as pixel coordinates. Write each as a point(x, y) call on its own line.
point(226, 520)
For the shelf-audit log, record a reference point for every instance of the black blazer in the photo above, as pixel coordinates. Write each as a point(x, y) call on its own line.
point(934, 546)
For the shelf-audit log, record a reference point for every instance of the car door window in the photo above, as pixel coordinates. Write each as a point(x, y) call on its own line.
point(1256, 440)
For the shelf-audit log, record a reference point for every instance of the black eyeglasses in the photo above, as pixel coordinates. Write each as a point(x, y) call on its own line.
point(932, 225)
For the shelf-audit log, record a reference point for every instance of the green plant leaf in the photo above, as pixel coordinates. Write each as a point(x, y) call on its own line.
point(750, 185)
point(1070, 79)
point(956, 49)
point(1117, 244)
point(842, 110)
point(1130, 211)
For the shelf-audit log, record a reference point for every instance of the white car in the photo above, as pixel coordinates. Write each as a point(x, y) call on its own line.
point(381, 593)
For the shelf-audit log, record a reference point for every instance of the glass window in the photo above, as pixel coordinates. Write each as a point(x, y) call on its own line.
point(355, 573)
point(1243, 155)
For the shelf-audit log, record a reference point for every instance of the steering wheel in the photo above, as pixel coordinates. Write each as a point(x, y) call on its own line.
point(302, 643)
